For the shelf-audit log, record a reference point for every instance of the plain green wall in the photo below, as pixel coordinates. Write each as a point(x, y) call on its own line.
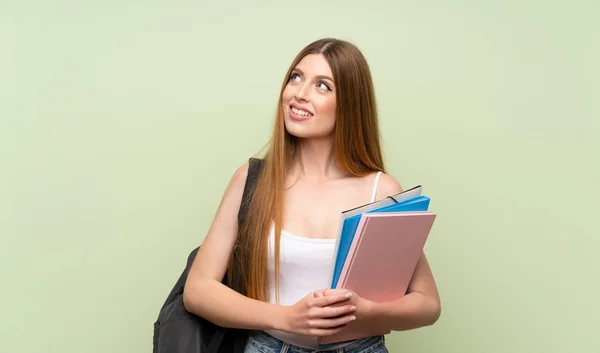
point(122, 122)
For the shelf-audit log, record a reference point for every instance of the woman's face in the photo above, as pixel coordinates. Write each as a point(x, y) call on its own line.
point(308, 99)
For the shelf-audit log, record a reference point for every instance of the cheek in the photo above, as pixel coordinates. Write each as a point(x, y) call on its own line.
point(328, 107)
point(288, 93)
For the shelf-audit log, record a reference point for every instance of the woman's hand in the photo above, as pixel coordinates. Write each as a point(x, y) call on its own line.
point(364, 313)
point(318, 314)
point(363, 306)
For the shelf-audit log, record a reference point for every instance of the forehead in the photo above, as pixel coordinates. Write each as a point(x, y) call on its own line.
point(314, 64)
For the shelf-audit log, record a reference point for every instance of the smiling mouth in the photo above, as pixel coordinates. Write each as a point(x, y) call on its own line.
point(300, 111)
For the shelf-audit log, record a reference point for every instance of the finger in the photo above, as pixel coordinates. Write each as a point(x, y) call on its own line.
point(319, 294)
point(331, 311)
point(330, 291)
point(336, 311)
point(326, 332)
point(332, 323)
point(340, 304)
point(331, 299)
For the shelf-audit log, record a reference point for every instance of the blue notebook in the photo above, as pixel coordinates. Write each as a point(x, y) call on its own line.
point(419, 203)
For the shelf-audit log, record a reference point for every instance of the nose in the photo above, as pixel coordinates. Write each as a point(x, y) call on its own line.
point(302, 93)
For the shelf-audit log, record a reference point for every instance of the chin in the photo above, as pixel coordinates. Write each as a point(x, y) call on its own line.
point(305, 132)
point(299, 132)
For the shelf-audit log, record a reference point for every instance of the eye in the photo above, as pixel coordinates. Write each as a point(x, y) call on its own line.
point(295, 77)
point(324, 86)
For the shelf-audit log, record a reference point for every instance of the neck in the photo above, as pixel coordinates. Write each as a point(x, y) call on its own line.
point(315, 160)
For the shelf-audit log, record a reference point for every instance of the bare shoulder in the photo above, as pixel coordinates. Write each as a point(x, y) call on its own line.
point(232, 197)
point(388, 185)
point(213, 255)
point(238, 178)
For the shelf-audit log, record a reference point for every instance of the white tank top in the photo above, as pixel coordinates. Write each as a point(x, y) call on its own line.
point(305, 266)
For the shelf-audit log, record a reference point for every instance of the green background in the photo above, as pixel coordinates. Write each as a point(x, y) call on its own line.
point(122, 122)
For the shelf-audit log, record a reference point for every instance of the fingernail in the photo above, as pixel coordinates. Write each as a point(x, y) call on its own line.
point(352, 308)
point(353, 318)
point(348, 295)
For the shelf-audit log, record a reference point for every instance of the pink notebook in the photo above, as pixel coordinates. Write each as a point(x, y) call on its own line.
point(350, 256)
point(382, 260)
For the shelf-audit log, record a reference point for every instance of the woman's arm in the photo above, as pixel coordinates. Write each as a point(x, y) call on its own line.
point(421, 305)
point(204, 294)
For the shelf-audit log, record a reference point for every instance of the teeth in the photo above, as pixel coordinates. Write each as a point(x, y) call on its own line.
point(300, 112)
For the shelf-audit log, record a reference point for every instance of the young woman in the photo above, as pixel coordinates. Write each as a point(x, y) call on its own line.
point(324, 157)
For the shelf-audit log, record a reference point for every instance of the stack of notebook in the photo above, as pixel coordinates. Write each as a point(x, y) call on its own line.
point(377, 250)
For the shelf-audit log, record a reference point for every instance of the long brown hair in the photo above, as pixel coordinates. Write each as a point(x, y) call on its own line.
point(357, 150)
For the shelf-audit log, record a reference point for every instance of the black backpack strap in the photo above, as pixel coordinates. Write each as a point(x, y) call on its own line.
point(254, 169)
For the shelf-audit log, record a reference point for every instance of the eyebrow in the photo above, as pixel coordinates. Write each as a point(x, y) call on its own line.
point(318, 76)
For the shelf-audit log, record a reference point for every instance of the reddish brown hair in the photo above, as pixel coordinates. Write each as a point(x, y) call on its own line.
point(357, 149)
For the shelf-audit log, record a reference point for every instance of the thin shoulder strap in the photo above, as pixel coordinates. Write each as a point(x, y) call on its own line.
point(375, 186)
